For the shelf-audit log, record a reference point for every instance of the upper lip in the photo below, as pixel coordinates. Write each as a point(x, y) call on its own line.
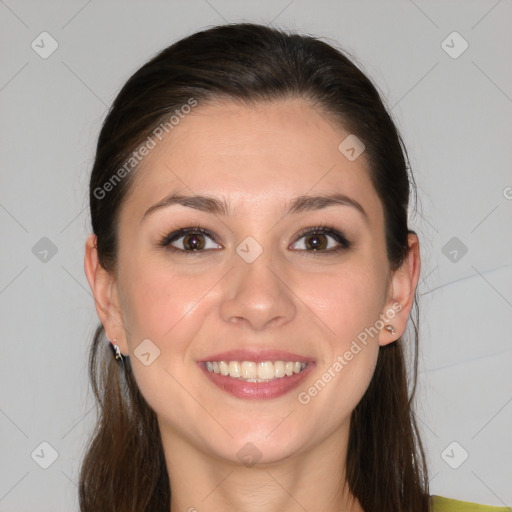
point(257, 356)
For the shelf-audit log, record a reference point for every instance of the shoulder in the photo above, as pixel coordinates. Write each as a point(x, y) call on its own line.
point(442, 504)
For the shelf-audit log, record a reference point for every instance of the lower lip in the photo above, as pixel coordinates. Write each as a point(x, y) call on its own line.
point(257, 390)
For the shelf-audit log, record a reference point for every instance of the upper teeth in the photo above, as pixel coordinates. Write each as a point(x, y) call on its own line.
point(255, 372)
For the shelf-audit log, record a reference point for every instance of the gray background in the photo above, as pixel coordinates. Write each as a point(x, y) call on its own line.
point(455, 117)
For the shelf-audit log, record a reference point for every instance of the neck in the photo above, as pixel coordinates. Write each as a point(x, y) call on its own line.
point(313, 480)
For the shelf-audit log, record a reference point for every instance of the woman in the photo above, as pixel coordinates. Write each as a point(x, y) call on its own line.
point(252, 265)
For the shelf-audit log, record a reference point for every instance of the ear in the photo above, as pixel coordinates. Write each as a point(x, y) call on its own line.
point(104, 288)
point(402, 288)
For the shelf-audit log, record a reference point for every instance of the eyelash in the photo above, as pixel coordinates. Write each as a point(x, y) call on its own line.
point(324, 229)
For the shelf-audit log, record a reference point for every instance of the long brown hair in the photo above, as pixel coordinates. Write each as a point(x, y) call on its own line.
point(124, 468)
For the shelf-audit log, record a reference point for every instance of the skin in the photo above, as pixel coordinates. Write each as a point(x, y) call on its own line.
point(191, 306)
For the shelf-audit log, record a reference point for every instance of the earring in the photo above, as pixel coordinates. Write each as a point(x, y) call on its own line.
point(116, 350)
point(390, 328)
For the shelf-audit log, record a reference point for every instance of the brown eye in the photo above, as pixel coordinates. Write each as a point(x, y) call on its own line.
point(315, 242)
point(321, 239)
point(189, 240)
point(193, 242)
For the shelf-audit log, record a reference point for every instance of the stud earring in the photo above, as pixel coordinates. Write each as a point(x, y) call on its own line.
point(116, 350)
point(390, 328)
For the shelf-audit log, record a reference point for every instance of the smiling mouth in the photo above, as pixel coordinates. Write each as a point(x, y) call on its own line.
point(250, 371)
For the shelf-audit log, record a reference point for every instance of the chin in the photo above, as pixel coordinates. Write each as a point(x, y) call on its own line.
point(260, 446)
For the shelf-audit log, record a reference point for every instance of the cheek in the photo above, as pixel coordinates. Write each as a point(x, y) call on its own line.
point(158, 301)
point(168, 309)
point(348, 301)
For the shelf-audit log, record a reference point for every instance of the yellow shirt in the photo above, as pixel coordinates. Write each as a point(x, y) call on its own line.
point(441, 504)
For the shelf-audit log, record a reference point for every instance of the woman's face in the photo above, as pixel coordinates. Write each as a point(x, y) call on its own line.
point(245, 286)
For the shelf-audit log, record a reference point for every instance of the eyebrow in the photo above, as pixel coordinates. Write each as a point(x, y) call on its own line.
point(216, 206)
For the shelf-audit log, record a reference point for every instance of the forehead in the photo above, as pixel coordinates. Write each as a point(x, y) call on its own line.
point(252, 155)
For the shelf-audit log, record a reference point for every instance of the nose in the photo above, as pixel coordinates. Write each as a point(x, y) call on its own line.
point(257, 296)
